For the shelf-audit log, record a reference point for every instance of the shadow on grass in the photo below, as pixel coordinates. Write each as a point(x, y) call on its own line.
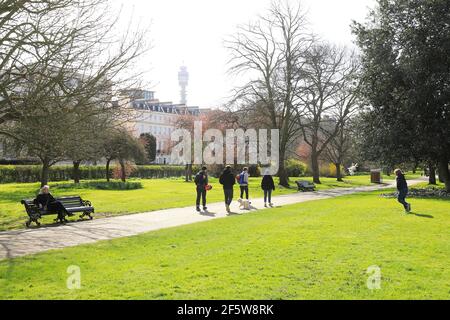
point(428, 216)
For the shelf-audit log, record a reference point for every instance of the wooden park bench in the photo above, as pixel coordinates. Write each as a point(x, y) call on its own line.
point(72, 204)
point(305, 186)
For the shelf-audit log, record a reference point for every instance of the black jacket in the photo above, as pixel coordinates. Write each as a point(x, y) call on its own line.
point(201, 179)
point(44, 199)
point(401, 182)
point(227, 179)
point(267, 183)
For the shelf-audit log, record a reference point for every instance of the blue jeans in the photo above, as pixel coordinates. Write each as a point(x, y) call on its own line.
point(268, 195)
point(402, 196)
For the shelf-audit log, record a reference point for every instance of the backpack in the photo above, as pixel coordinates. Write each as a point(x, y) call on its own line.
point(199, 178)
point(241, 178)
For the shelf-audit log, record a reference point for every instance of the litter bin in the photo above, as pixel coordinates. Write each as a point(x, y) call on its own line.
point(375, 176)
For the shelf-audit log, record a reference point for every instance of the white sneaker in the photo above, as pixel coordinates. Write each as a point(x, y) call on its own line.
point(265, 205)
point(271, 204)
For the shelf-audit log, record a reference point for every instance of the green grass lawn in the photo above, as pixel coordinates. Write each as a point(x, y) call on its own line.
point(313, 250)
point(157, 194)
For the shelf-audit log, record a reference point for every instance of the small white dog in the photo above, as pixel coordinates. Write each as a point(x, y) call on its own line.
point(244, 204)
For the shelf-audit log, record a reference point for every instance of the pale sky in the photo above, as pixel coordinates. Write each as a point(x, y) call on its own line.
point(192, 32)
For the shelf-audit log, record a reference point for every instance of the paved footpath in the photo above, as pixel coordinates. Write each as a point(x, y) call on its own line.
point(29, 241)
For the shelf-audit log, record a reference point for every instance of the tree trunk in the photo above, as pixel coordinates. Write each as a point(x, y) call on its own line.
point(283, 177)
point(440, 175)
point(315, 167)
point(282, 174)
point(76, 171)
point(123, 175)
point(44, 172)
point(188, 173)
point(338, 172)
point(388, 171)
point(432, 174)
point(443, 169)
point(415, 166)
point(108, 161)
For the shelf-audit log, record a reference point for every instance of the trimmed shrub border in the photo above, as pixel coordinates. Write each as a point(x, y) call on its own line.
point(31, 173)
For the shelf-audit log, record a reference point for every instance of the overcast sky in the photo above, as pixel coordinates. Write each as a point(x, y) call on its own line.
point(192, 32)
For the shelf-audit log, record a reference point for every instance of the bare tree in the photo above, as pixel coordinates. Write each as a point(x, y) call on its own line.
point(62, 93)
point(338, 148)
point(34, 35)
point(328, 93)
point(269, 51)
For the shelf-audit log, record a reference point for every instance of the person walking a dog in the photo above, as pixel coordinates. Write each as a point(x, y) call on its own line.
point(228, 181)
point(268, 186)
point(243, 183)
point(201, 182)
point(402, 187)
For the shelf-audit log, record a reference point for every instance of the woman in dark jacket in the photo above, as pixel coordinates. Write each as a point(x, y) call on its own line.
point(402, 187)
point(47, 202)
point(268, 186)
point(228, 181)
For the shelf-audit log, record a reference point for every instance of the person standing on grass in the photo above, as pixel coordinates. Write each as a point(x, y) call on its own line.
point(402, 187)
point(268, 186)
point(243, 183)
point(201, 181)
point(228, 181)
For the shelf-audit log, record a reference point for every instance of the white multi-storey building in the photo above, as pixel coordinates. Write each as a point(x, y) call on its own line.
point(159, 119)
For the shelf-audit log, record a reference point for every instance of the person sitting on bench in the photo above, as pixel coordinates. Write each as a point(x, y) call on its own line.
point(47, 202)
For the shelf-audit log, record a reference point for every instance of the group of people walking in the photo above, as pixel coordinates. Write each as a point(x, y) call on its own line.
point(228, 179)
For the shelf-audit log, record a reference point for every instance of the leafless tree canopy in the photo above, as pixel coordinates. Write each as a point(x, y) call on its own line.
point(60, 52)
point(329, 95)
point(270, 51)
point(299, 84)
point(62, 66)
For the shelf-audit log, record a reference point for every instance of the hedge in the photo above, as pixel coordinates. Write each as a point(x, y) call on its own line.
point(32, 173)
point(101, 185)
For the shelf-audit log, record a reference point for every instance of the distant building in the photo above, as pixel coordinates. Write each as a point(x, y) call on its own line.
point(159, 119)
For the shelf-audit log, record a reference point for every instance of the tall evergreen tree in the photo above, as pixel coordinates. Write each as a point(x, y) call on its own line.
point(406, 70)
